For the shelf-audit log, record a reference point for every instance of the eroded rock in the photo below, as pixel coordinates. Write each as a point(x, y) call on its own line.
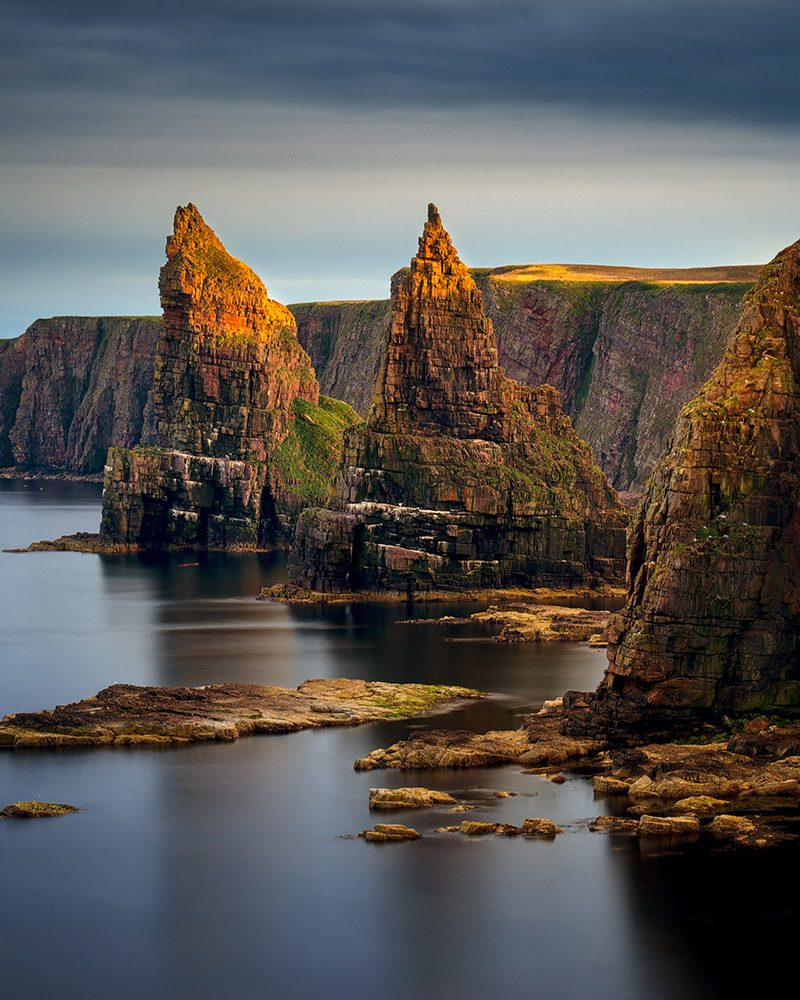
point(34, 809)
point(126, 715)
point(388, 833)
point(461, 477)
point(408, 798)
point(713, 608)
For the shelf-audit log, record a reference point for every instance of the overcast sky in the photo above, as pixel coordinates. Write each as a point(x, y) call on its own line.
point(312, 134)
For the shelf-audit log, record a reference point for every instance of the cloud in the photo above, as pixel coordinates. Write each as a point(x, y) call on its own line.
point(731, 61)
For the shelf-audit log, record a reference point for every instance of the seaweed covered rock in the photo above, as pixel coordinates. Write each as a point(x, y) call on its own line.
point(232, 387)
point(460, 477)
point(713, 614)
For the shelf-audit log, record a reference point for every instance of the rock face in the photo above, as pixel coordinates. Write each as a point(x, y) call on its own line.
point(72, 386)
point(232, 388)
point(713, 614)
point(626, 348)
point(460, 477)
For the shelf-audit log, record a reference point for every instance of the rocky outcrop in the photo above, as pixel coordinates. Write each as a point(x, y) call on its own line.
point(625, 348)
point(408, 798)
point(460, 477)
point(127, 715)
point(713, 615)
point(237, 440)
point(70, 387)
point(33, 809)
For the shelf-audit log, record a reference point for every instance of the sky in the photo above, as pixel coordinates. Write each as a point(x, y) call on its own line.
point(312, 135)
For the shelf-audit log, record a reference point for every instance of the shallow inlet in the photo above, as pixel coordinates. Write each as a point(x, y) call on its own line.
point(214, 870)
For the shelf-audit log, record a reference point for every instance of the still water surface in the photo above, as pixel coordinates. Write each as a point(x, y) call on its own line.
point(218, 870)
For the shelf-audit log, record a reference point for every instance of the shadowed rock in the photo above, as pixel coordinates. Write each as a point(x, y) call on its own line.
point(713, 615)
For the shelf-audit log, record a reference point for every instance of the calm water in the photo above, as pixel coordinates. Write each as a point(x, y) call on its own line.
point(218, 870)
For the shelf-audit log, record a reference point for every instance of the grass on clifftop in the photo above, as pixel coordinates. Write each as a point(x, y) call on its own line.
point(309, 456)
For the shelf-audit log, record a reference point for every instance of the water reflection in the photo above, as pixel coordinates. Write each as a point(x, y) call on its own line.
point(210, 871)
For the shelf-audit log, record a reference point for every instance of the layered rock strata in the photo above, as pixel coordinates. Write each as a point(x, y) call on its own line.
point(127, 715)
point(713, 615)
point(460, 477)
point(236, 435)
point(71, 387)
point(626, 348)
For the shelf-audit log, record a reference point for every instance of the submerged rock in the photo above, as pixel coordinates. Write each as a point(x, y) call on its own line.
point(461, 477)
point(386, 833)
point(713, 610)
point(408, 798)
point(34, 809)
point(126, 715)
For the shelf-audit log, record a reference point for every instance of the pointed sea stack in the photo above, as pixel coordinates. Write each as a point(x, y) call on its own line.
point(713, 615)
point(224, 462)
point(460, 477)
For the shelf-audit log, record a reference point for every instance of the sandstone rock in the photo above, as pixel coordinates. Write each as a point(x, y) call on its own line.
point(237, 440)
point(614, 824)
point(407, 798)
point(608, 785)
point(448, 748)
point(545, 829)
point(604, 337)
point(36, 810)
point(668, 826)
point(388, 833)
point(725, 826)
point(713, 608)
point(543, 623)
point(460, 478)
point(70, 387)
point(701, 805)
point(126, 715)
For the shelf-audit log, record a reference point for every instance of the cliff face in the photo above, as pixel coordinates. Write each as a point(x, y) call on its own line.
point(72, 386)
point(713, 615)
point(460, 476)
point(625, 348)
point(345, 341)
point(231, 383)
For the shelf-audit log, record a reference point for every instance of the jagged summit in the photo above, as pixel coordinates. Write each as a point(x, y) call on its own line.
point(190, 230)
point(209, 291)
point(460, 476)
point(713, 615)
point(231, 386)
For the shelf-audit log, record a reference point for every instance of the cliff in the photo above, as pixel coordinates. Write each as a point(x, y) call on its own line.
point(231, 386)
point(713, 611)
point(72, 386)
point(460, 477)
point(625, 347)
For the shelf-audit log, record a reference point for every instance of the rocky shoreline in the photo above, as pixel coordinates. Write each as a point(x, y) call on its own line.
point(287, 593)
point(742, 787)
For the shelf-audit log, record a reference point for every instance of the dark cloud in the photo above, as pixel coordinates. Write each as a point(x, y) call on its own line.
point(733, 61)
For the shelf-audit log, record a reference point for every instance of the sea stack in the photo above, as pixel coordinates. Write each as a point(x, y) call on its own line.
point(460, 477)
point(222, 460)
point(713, 614)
